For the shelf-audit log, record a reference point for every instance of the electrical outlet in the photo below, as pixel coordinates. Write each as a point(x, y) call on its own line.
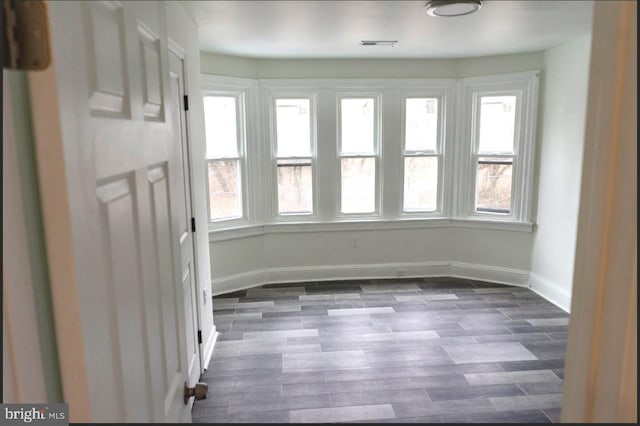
point(354, 241)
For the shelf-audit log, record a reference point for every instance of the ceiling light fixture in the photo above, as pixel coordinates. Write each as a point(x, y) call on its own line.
point(449, 8)
point(378, 42)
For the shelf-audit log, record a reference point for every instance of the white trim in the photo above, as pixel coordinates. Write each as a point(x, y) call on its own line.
point(551, 291)
point(492, 274)
point(237, 282)
point(22, 364)
point(365, 225)
point(208, 348)
point(357, 83)
point(235, 233)
point(514, 277)
point(209, 81)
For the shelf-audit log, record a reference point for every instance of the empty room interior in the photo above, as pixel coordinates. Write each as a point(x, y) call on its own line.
point(324, 211)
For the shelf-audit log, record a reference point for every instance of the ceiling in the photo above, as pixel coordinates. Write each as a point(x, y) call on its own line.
point(334, 29)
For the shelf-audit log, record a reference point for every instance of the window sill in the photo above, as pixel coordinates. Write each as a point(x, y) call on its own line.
point(365, 225)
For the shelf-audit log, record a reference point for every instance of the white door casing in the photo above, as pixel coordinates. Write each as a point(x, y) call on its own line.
point(185, 215)
point(109, 171)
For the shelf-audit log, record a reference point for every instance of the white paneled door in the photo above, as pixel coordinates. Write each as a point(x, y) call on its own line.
point(131, 274)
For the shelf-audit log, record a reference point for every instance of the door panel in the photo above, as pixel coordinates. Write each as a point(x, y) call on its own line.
point(125, 193)
point(119, 221)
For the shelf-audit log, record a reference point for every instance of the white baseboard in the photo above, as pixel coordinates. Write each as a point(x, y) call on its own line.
point(472, 271)
point(493, 274)
point(208, 347)
point(551, 291)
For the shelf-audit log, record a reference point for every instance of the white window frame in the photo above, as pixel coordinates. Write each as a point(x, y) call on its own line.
point(240, 89)
point(525, 87)
point(377, 151)
point(271, 97)
point(440, 153)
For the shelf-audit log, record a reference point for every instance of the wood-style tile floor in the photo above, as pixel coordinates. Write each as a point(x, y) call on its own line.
point(413, 350)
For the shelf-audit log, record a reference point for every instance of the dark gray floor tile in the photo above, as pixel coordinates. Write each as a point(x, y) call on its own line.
point(278, 378)
point(279, 402)
point(525, 416)
point(558, 335)
point(541, 388)
point(512, 377)
point(533, 329)
point(535, 337)
point(371, 397)
point(275, 291)
point(329, 387)
point(266, 324)
point(358, 344)
point(246, 362)
point(527, 402)
point(425, 382)
point(555, 349)
point(474, 332)
point(459, 406)
point(281, 416)
point(342, 414)
point(553, 414)
point(217, 371)
point(473, 392)
point(489, 352)
point(532, 365)
point(320, 361)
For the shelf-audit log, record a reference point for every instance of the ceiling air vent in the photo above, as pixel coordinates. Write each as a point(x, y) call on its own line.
point(378, 42)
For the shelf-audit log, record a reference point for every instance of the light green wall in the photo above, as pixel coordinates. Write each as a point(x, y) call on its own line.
point(35, 234)
point(561, 130)
point(235, 66)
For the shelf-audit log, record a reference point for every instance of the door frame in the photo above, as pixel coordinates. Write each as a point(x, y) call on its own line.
point(174, 48)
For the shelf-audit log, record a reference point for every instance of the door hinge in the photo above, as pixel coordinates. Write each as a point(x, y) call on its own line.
point(193, 224)
point(25, 35)
point(199, 336)
point(186, 102)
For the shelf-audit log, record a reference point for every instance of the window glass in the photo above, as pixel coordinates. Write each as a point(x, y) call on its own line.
point(420, 183)
point(497, 124)
point(293, 127)
point(358, 184)
point(224, 189)
point(294, 186)
point(221, 130)
point(493, 188)
point(357, 125)
point(421, 124)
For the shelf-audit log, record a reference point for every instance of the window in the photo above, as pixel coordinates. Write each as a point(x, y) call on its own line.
point(501, 123)
point(294, 155)
point(422, 154)
point(336, 153)
point(358, 147)
point(494, 154)
point(224, 150)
